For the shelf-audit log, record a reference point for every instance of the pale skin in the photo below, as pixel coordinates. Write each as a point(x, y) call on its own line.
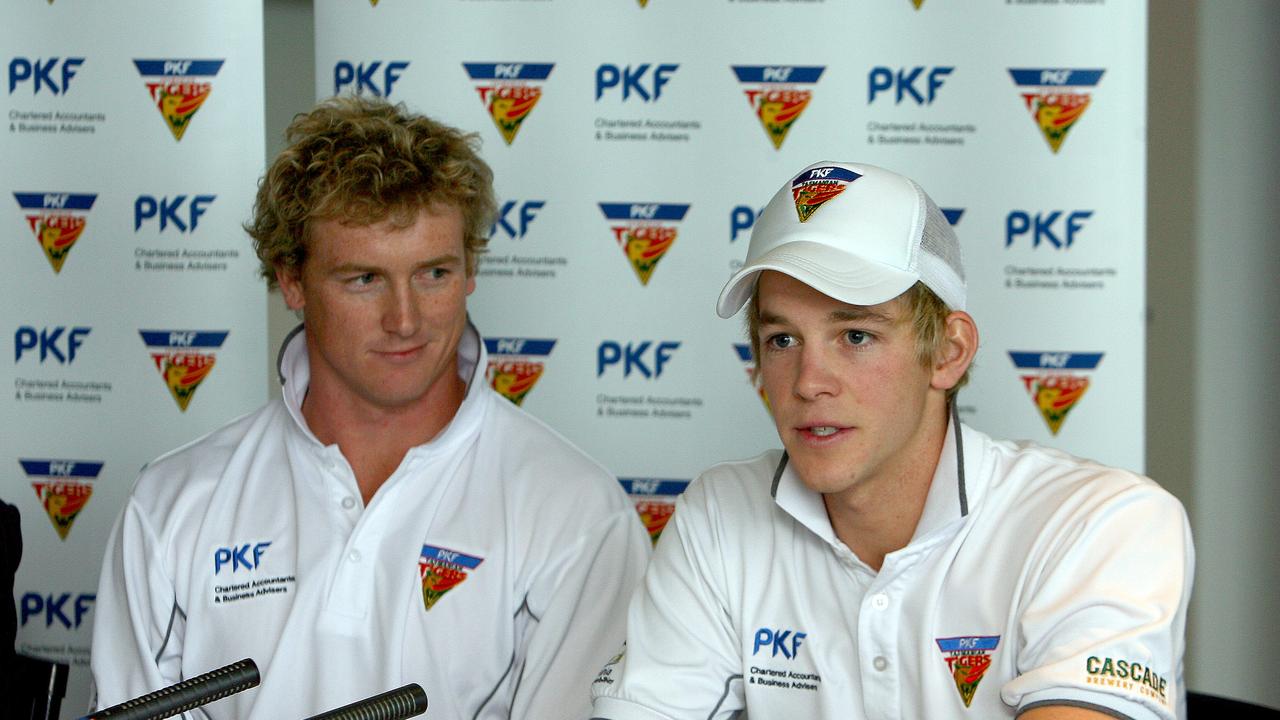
point(862, 419)
point(384, 309)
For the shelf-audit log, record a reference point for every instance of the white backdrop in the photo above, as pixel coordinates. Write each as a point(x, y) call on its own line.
point(670, 124)
point(133, 317)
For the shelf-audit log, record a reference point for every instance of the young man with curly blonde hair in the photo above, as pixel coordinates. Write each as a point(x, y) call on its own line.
point(390, 518)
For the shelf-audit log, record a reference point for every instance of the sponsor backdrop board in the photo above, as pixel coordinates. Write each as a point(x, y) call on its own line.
point(635, 141)
point(133, 317)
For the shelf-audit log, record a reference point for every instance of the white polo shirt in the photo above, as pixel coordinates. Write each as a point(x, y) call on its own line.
point(1033, 578)
point(493, 567)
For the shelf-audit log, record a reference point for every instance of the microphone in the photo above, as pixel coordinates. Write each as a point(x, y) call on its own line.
point(184, 696)
point(404, 702)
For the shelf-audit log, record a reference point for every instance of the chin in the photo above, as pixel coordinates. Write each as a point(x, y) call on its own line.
point(821, 476)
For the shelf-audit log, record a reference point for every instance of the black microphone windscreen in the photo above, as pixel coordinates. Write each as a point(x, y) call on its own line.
point(183, 696)
point(404, 702)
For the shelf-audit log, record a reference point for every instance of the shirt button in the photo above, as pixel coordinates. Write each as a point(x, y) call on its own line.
point(348, 502)
point(880, 601)
point(354, 556)
point(880, 662)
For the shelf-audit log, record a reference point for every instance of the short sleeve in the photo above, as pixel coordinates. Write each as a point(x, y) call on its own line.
point(1103, 617)
point(681, 657)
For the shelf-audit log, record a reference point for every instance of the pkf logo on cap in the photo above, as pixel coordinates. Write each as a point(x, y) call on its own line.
point(184, 358)
point(968, 659)
point(509, 91)
point(515, 365)
point(655, 500)
point(57, 219)
point(1056, 98)
point(63, 487)
point(778, 94)
point(1055, 388)
point(178, 89)
point(441, 570)
point(813, 187)
point(644, 231)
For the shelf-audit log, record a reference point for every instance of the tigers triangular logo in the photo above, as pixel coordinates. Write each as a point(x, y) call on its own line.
point(814, 187)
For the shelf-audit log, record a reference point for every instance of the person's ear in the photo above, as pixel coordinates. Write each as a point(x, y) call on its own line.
point(959, 345)
point(290, 282)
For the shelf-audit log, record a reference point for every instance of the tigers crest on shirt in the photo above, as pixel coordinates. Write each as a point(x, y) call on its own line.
point(967, 659)
point(442, 570)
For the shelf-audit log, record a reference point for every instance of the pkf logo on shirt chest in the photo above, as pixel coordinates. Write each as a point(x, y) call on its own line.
point(238, 572)
point(778, 640)
point(246, 556)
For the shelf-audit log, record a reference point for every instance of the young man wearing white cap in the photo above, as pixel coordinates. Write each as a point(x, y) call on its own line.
point(893, 562)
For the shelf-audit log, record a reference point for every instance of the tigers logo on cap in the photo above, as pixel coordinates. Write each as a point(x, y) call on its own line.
point(814, 187)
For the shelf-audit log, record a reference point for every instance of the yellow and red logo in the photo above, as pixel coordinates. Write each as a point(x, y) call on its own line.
point(778, 95)
point(968, 659)
point(655, 501)
point(63, 488)
point(1055, 381)
point(57, 219)
point(645, 232)
point(1055, 97)
point(442, 570)
point(178, 88)
point(184, 358)
point(515, 365)
point(814, 187)
point(509, 91)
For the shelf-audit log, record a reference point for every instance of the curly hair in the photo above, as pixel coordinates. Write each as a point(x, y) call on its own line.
point(364, 161)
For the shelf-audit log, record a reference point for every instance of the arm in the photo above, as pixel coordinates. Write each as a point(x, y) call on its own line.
point(1063, 712)
point(682, 658)
point(1102, 619)
point(138, 626)
point(579, 606)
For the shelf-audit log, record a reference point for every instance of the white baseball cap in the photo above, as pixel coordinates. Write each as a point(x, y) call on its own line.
point(857, 233)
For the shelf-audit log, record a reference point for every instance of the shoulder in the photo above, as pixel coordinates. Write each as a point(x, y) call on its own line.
point(193, 470)
point(1025, 472)
point(528, 451)
point(732, 495)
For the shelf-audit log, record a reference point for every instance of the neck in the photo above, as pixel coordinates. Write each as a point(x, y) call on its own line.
point(374, 440)
point(878, 516)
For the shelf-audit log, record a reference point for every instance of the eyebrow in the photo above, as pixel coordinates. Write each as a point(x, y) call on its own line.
point(438, 261)
point(836, 316)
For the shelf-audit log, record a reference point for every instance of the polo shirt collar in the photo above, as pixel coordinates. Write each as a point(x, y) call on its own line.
point(294, 370)
point(952, 492)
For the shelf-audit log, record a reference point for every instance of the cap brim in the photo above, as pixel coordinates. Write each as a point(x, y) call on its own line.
point(832, 272)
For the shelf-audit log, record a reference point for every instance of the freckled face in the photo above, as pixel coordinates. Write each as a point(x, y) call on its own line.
point(846, 388)
point(384, 307)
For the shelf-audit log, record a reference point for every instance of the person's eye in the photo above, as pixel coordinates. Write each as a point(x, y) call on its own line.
point(362, 280)
point(857, 337)
point(780, 341)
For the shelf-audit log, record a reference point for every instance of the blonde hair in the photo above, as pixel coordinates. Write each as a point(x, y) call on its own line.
point(364, 161)
point(926, 312)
